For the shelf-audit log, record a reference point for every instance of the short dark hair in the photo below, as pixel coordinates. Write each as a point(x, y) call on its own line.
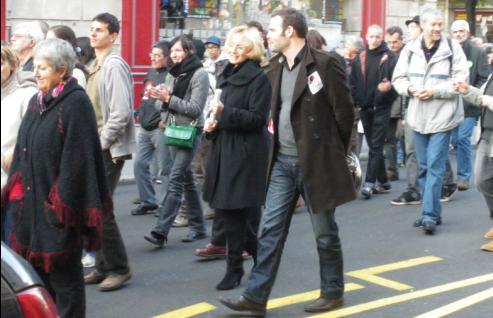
point(110, 20)
point(186, 44)
point(315, 40)
point(395, 29)
point(293, 18)
point(163, 46)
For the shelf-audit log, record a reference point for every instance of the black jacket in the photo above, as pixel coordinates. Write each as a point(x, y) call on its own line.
point(478, 73)
point(149, 113)
point(364, 85)
point(236, 170)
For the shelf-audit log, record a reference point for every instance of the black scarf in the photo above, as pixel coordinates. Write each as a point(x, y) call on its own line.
point(183, 72)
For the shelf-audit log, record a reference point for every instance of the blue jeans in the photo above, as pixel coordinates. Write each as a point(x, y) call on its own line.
point(181, 182)
point(150, 144)
point(285, 186)
point(464, 148)
point(432, 154)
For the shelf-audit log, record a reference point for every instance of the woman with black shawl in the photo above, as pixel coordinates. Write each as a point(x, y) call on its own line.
point(56, 196)
point(184, 95)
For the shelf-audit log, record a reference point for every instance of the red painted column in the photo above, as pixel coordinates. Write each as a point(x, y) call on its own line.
point(139, 31)
point(3, 18)
point(374, 12)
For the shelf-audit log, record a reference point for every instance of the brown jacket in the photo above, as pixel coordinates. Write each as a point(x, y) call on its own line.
point(322, 124)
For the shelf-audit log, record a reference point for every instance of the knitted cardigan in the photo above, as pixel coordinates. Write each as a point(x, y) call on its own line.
point(57, 191)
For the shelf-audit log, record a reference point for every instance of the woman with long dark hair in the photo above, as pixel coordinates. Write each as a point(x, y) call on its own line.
point(184, 95)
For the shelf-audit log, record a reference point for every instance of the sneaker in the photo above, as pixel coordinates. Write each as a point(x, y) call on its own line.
point(419, 222)
point(463, 185)
point(489, 234)
point(382, 188)
point(143, 209)
point(488, 247)
point(448, 191)
point(136, 201)
point(180, 221)
point(94, 277)
point(209, 214)
point(407, 198)
point(366, 192)
point(88, 260)
point(211, 251)
point(157, 239)
point(193, 236)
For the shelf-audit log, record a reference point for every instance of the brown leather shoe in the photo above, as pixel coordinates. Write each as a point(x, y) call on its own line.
point(94, 277)
point(243, 304)
point(114, 281)
point(463, 185)
point(211, 251)
point(323, 304)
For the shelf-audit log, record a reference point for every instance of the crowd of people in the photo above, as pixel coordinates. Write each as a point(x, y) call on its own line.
point(242, 134)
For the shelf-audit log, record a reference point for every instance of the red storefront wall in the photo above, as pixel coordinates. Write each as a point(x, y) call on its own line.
point(140, 30)
point(374, 12)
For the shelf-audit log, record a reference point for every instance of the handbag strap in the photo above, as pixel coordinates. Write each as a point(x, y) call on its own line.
point(193, 123)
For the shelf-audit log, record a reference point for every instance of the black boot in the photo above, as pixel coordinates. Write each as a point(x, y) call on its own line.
point(230, 280)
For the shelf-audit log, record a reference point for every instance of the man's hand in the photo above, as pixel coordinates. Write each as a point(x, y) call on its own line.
point(461, 87)
point(384, 86)
point(424, 94)
point(161, 124)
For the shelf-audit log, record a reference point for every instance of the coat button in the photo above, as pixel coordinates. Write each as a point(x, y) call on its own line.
point(28, 188)
point(311, 118)
point(316, 136)
point(24, 149)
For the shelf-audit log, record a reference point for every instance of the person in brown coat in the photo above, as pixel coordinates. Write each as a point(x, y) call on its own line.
point(312, 113)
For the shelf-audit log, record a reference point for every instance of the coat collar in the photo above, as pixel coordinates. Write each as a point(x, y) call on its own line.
point(246, 73)
point(443, 52)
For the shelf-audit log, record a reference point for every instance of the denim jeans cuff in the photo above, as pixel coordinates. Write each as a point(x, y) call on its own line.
point(254, 299)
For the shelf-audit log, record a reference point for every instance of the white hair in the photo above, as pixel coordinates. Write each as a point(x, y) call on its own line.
point(30, 29)
point(459, 25)
point(430, 13)
point(58, 53)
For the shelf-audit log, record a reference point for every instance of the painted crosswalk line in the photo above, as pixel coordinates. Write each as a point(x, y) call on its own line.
point(459, 305)
point(189, 311)
point(383, 302)
point(370, 274)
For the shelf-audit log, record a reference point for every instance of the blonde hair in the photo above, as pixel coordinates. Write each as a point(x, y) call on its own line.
point(251, 40)
point(10, 57)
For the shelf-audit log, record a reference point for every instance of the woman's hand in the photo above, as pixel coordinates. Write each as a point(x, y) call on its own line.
point(7, 162)
point(210, 125)
point(161, 93)
point(217, 108)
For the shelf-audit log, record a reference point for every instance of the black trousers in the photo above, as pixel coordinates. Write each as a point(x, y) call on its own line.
point(240, 229)
point(112, 257)
point(375, 123)
point(390, 146)
point(65, 283)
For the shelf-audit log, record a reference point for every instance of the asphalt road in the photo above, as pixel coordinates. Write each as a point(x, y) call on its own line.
point(423, 273)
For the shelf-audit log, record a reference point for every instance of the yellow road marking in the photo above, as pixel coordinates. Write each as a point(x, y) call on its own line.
point(458, 305)
point(189, 311)
point(405, 297)
point(370, 274)
point(303, 297)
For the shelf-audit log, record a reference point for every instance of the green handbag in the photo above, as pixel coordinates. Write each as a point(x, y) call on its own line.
point(180, 135)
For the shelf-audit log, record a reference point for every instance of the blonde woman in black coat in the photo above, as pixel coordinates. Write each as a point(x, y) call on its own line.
point(236, 171)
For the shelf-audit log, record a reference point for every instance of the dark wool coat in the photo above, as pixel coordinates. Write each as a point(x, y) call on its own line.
point(57, 191)
point(479, 71)
point(236, 171)
point(322, 124)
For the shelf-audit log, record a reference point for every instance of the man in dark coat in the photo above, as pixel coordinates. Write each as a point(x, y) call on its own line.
point(478, 73)
point(312, 113)
point(373, 95)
